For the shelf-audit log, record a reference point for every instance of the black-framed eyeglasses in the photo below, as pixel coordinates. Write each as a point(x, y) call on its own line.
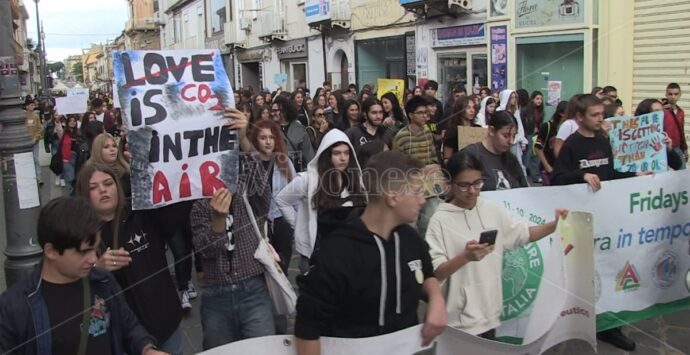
point(424, 113)
point(465, 186)
point(321, 114)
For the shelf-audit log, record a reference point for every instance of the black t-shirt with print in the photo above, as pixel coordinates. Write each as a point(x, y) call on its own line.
point(501, 171)
point(65, 305)
point(580, 155)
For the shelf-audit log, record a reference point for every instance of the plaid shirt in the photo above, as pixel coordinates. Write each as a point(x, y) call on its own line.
point(220, 266)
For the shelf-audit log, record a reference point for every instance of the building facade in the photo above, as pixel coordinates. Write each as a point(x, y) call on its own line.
point(142, 30)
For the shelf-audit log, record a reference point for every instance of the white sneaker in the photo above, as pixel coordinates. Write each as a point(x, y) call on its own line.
point(191, 290)
point(62, 182)
point(184, 301)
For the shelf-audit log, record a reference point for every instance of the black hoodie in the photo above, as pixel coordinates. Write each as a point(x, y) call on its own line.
point(347, 293)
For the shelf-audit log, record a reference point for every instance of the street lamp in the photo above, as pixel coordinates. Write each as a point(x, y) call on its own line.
point(42, 58)
point(22, 249)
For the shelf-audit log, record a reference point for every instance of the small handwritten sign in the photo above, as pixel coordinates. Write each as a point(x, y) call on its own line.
point(638, 143)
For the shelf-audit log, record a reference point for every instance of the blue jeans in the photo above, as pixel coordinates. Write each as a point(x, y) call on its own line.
point(235, 312)
point(173, 345)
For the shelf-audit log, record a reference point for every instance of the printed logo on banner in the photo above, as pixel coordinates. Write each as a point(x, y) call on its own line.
point(627, 279)
point(522, 272)
point(665, 269)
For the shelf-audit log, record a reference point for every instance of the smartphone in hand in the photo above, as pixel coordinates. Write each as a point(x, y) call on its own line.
point(488, 237)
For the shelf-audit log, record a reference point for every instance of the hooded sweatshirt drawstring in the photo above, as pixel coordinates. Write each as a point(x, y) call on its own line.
point(476, 208)
point(384, 282)
point(384, 278)
point(397, 272)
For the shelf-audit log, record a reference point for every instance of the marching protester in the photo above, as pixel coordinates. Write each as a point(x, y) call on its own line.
point(472, 269)
point(393, 115)
point(334, 297)
point(369, 136)
point(532, 116)
point(66, 305)
point(417, 142)
point(103, 116)
point(456, 92)
point(317, 127)
point(297, 98)
point(501, 169)
point(35, 129)
point(332, 179)
point(487, 108)
point(430, 90)
point(105, 151)
point(674, 122)
point(509, 103)
point(586, 157)
point(569, 126)
point(543, 146)
point(464, 111)
point(336, 106)
point(265, 137)
point(295, 135)
point(674, 160)
point(52, 134)
point(353, 115)
point(134, 251)
point(235, 303)
point(68, 150)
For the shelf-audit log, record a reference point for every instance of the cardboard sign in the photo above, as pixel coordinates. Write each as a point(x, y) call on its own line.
point(71, 104)
point(638, 143)
point(470, 135)
point(172, 103)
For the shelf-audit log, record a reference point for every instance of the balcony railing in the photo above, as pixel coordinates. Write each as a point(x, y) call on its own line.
point(141, 24)
point(233, 36)
point(271, 25)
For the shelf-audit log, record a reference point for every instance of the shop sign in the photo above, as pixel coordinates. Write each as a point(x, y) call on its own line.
point(377, 14)
point(410, 53)
point(317, 10)
point(466, 35)
point(539, 13)
point(293, 49)
point(253, 55)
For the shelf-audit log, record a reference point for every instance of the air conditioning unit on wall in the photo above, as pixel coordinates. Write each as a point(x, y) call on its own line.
point(463, 4)
point(245, 23)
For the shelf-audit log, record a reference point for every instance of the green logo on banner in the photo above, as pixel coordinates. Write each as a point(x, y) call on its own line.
point(522, 272)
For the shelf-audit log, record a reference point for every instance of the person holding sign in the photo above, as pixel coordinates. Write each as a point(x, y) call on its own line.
point(463, 114)
point(501, 169)
point(371, 269)
point(467, 237)
point(674, 121)
point(587, 157)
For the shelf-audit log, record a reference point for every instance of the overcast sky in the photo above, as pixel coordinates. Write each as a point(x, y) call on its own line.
point(71, 25)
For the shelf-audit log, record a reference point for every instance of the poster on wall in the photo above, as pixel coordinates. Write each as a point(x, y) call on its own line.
point(395, 86)
point(172, 104)
point(422, 64)
point(555, 88)
point(317, 10)
point(499, 58)
point(538, 13)
point(499, 7)
point(637, 143)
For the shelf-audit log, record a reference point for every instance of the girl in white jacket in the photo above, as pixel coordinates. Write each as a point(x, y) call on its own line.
point(472, 271)
point(333, 179)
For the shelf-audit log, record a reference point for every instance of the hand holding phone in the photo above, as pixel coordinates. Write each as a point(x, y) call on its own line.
point(488, 237)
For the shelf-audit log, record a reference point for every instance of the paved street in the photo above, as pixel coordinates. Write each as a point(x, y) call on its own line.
point(669, 334)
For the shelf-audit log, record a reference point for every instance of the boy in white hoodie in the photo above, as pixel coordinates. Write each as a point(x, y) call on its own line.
point(471, 270)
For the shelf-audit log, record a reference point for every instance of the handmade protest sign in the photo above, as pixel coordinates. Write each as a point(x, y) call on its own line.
point(172, 104)
point(638, 143)
point(71, 105)
point(470, 135)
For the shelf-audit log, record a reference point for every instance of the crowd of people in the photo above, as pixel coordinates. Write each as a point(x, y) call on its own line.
point(342, 178)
